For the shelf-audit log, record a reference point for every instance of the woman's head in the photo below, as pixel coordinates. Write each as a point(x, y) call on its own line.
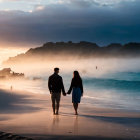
point(76, 74)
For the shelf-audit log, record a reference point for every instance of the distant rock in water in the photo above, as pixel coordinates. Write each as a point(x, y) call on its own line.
point(37, 78)
point(68, 50)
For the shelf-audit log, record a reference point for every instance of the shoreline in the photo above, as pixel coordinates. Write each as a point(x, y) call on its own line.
point(30, 114)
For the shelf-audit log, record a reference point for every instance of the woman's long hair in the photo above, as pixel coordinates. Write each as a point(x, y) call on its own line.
point(76, 76)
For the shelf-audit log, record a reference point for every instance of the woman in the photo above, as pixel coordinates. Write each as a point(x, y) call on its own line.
point(77, 90)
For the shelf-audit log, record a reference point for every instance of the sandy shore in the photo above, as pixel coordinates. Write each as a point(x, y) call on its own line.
point(28, 114)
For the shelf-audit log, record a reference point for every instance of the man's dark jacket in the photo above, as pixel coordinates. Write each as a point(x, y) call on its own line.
point(55, 84)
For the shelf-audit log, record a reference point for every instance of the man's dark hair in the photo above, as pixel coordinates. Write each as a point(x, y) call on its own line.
point(56, 69)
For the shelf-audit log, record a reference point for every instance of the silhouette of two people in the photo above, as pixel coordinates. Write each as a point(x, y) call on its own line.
point(56, 86)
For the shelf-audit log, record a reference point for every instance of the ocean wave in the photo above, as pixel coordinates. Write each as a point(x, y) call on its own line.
point(112, 84)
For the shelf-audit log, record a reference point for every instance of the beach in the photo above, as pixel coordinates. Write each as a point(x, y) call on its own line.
point(30, 115)
point(88, 48)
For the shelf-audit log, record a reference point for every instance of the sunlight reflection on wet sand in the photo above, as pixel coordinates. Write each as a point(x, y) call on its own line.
point(35, 117)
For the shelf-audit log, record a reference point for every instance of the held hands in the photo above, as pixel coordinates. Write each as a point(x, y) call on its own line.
point(64, 94)
point(68, 92)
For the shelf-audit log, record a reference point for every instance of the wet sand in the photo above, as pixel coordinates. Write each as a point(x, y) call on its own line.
point(30, 115)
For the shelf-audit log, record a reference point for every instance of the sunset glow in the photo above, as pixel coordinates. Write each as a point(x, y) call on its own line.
point(6, 52)
point(70, 69)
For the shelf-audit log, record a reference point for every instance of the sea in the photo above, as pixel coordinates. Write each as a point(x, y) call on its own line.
point(108, 83)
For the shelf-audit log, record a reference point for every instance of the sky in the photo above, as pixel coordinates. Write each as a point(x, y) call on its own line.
point(27, 23)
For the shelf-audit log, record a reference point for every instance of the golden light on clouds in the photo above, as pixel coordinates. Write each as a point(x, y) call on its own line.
point(41, 7)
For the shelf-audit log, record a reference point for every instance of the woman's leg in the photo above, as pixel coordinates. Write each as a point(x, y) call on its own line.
point(75, 105)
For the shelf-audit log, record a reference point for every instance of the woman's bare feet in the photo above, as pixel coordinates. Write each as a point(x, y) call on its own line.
point(56, 113)
point(76, 113)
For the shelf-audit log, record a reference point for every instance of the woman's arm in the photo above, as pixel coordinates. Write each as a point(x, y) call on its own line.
point(70, 89)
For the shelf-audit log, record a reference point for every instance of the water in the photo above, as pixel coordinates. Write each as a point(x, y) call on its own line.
point(114, 86)
point(119, 90)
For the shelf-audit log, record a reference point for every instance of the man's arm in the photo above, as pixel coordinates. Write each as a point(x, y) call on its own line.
point(62, 87)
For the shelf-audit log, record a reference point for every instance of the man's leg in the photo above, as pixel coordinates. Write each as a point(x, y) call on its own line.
point(58, 102)
point(53, 102)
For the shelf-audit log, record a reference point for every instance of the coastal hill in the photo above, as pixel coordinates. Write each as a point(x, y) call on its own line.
point(83, 49)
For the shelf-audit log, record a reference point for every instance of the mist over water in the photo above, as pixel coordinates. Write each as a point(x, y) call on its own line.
point(114, 84)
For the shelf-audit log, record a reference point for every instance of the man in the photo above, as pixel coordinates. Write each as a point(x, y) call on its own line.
point(55, 85)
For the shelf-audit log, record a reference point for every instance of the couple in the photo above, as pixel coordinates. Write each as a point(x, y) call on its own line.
point(55, 84)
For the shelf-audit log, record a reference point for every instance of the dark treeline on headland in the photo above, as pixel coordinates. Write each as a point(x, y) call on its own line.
point(81, 49)
point(87, 49)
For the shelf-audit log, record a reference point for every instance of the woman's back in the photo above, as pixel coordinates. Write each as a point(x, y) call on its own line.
point(76, 82)
point(77, 90)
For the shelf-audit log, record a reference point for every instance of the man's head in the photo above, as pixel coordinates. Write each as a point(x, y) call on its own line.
point(56, 70)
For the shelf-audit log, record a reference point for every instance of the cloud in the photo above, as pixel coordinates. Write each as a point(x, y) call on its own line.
point(16, 0)
point(39, 7)
point(93, 2)
point(63, 22)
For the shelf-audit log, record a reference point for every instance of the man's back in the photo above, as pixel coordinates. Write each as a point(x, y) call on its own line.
point(55, 83)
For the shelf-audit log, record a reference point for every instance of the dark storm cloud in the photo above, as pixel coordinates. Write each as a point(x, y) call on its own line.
point(87, 21)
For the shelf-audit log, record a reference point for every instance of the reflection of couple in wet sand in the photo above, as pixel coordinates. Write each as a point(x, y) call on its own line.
point(55, 84)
